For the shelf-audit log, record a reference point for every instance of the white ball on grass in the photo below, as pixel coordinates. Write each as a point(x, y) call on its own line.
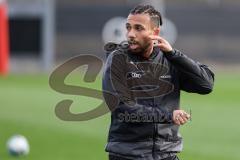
point(18, 145)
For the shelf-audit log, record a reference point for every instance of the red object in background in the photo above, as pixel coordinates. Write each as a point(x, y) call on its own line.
point(4, 41)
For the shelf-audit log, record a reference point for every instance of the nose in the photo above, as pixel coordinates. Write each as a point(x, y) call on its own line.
point(131, 34)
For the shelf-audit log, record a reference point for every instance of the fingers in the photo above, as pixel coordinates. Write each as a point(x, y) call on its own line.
point(180, 120)
point(183, 120)
point(180, 117)
point(160, 39)
point(162, 43)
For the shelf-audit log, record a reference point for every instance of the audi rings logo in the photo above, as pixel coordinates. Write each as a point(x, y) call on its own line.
point(136, 75)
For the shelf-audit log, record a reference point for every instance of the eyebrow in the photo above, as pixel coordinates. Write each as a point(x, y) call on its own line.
point(137, 25)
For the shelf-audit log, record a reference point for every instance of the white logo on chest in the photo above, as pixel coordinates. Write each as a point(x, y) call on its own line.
point(136, 75)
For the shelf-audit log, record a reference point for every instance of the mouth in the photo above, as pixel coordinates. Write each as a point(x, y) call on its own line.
point(133, 45)
point(132, 42)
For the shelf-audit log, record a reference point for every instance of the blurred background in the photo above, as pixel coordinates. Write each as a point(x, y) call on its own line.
point(38, 35)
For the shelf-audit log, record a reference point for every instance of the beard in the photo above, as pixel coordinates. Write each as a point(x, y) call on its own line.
point(137, 47)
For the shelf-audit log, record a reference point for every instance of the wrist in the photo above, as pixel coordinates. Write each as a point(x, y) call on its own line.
point(170, 52)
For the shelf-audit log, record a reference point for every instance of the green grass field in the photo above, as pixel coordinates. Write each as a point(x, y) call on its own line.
point(27, 107)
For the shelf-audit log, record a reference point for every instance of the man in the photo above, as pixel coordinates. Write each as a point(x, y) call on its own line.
point(146, 77)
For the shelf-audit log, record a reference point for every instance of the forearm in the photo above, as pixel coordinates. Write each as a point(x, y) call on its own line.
point(183, 63)
point(194, 77)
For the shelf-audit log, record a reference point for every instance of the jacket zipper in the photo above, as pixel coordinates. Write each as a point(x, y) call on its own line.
point(154, 135)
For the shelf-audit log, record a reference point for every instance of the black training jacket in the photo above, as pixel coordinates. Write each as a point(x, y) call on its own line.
point(147, 91)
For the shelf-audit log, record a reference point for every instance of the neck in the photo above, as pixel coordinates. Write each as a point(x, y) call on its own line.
point(148, 52)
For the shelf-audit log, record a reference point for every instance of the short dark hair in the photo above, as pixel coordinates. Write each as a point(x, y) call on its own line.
point(151, 11)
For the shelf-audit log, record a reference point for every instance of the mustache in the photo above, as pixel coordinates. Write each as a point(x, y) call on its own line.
point(132, 42)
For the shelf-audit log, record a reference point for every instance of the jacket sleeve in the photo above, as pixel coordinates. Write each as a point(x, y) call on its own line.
point(114, 81)
point(194, 77)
